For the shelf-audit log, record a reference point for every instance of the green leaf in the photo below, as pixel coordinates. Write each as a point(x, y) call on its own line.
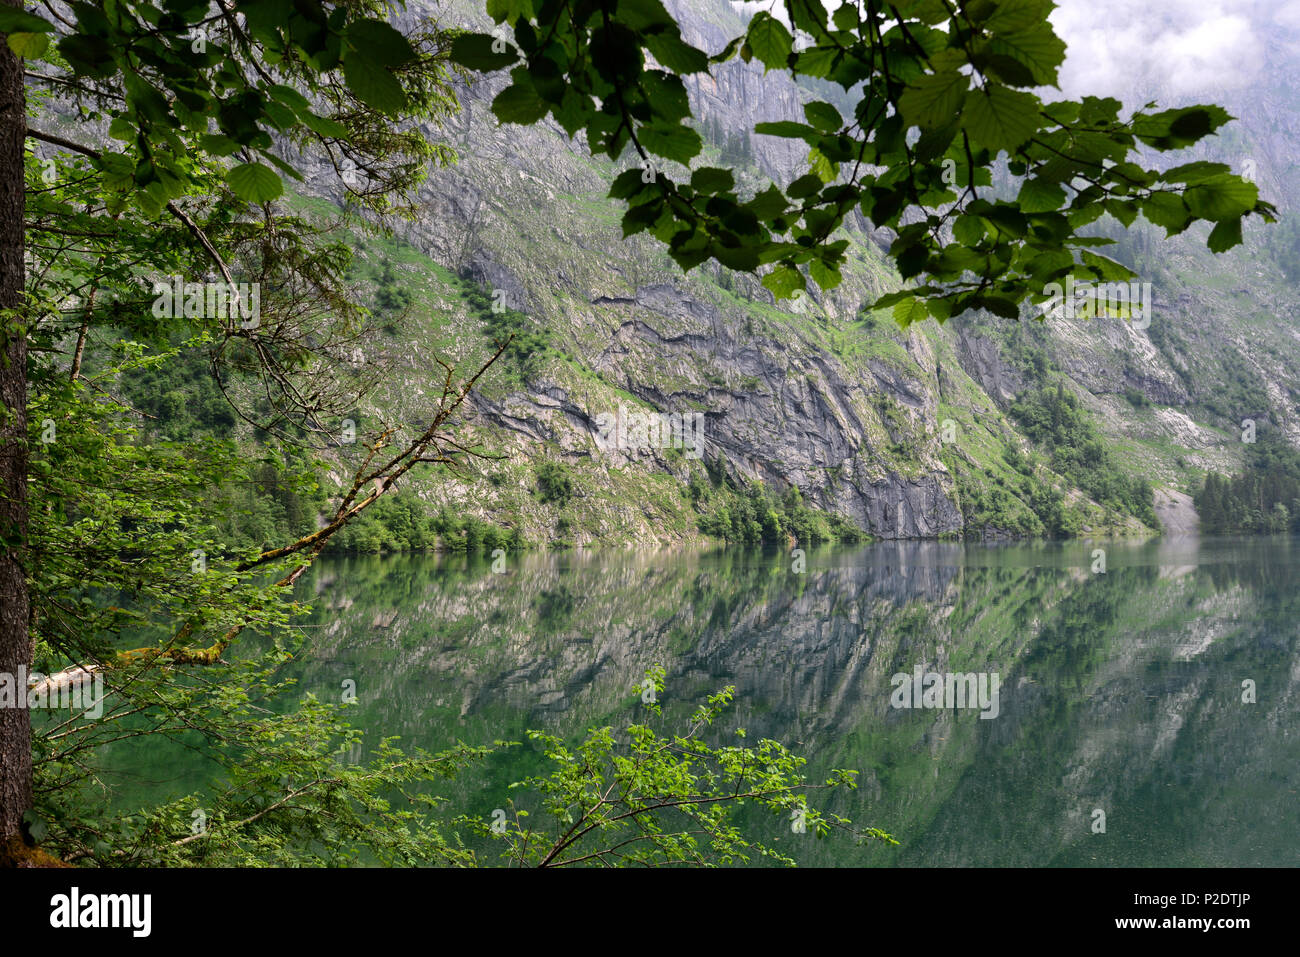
point(810, 18)
point(911, 257)
point(573, 111)
point(968, 230)
point(519, 103)
point(88, 55)
point(1007, 69)
point(823, 116)
point(788, 129)
point(1007, 219)
point(627, 184)
point(1048, 266)
point(1225, 235)
point(1017, 14)
point(1001, 118)
point(770, 40)
point(1040, 196)
point(825, 276)
point(290, 97)
point(28, 46)
point(768, 204)
point(816, 61)
point(217, 144)
point(909, 311)
point(17, 21)
point(1037, 48)
point(37, 829)
point(475, 51)
point(934, 143)
point(1174, 129)
point(1098, 111)
point(1196, 172)
point(740, 258)
point(822, 167)
point(121, 128)
point(615, 52)
point(675, 142)
point(934, 99)
point(1107, 269)
point(998, 305)
point(640, 15)
point(675, 55)
point(380, 42)
point(895, 297)
point(642, 217)
point(667, 95)
point(727, 52)
point(710, 179)
point(805, 186)
point(255, 182)
point(284, 167)
point(784, 281)
point(1222, 197)
point(324, 126)
point(116, 164)
point(373, 85)
point(149, 204)
point(1124, 210)
point(846, 16)
point(283, 117)
point(508, 11)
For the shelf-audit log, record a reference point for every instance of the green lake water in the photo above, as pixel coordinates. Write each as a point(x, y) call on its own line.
point(1119, 691)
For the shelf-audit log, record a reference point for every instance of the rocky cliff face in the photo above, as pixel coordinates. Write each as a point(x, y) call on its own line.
point(735, 93)
point(852, 413)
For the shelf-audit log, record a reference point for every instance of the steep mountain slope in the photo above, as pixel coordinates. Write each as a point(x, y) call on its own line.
point(902, 434)
point(1221, 348)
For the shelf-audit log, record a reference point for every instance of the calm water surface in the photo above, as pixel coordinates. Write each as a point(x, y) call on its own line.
point(1120, 691)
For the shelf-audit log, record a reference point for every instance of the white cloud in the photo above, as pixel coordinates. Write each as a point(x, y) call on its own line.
point(1159, 48)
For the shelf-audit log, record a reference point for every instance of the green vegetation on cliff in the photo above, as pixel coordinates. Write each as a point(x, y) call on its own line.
point(1054, 419)
point(1263, 497)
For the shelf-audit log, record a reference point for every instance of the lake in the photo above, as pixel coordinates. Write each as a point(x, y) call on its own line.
point(1141, 715)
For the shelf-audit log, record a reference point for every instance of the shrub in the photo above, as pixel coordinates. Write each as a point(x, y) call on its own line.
point(554, 484)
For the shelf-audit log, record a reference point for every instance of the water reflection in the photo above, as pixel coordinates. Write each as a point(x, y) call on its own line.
point(1121, 691)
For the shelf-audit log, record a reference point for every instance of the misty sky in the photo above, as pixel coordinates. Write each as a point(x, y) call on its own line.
point(1176, 47)
point(1157, 48)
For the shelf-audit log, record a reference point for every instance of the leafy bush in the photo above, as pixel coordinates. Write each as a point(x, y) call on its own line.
point(554, 484)
point(1053, 419)
point(391, 297)
point(644, 799)
point(756, 515)
point(397, 523)
point(529, 341)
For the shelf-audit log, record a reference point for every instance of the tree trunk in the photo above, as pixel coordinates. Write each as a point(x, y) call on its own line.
point(15, 642)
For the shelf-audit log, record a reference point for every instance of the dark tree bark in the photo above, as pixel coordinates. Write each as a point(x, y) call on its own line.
point(15, 640)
